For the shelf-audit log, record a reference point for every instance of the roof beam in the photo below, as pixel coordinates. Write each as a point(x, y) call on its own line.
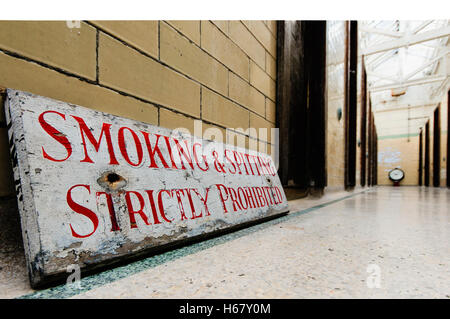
point(404, 107)
point(422, 26)
point(424, 80)
point(408, 40)
point(425, 65)
point(388, 33)
point(433, 46)
point(411, 102)
point(440, 89)
point(382, 76)
point(372, 64)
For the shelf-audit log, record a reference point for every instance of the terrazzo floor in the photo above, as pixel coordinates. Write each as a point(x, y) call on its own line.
point(382, 243)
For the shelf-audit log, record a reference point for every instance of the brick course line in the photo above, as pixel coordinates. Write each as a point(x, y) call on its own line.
point(159, 40)
point(97, 37)
point(178, 71)
point(59, 70)
point(270, 31)
point(212, 56)
point(256, 38)
point(81, 78)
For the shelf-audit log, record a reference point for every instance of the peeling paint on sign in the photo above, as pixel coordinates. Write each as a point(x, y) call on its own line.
point(93, 187)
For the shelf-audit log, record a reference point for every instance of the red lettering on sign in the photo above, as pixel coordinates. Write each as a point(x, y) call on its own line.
point(243, 162)
point(123, 146)
point(267, 165)
point(261, 198)
point(160, 202)
point(57, 135)
point(132, 211)
point(278, 194)
point(81, 210)
point(221, 196)
point(239, 192)
point(252, 189)
point(238, 161)
point(196, 158)
point(153, 207)
point(234, 198)
point(250, 198)
point(242, 198)
point(112, 213)
point(178, 193)
point(84, 130)
point(267, 192)
point(169, 147)
point(184, 153)
point(191, 204)
point(155, 150)
point(217, 164)
point(231, 162)
point(203, 200)
point(249, 163)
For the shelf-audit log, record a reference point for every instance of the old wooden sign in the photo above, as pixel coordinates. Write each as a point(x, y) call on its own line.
point(93, 187)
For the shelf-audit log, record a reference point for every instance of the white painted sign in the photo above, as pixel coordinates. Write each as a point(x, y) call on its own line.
point(93, 187)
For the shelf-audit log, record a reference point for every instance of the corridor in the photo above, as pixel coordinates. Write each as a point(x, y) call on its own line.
point(327, 248)
point(168, 158)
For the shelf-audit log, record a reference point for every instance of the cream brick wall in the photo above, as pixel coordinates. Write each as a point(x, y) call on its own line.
point(189, 59)
point(52, 43)
point(249, 43)
point(143, 35)
point(216, 43)
point(402, 153)
point(167, 73)
point(395, 122)
point(335, 136)
point(358, 122)
point(190, 29)
point(335, 77)
point(335, 144)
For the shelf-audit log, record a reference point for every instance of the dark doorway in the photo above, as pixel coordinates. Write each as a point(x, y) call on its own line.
point(420, 158)
point(448, 140)
point(369, 145)
point(437, 147)
point(363, 121)
point(291, 113)
point(426, 167)
point(373, 152)
point(375, 158)
point(350, 65)
point(301, 74)
point(315, 68)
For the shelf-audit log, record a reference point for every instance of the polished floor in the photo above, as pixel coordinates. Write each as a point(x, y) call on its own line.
point(382, 243)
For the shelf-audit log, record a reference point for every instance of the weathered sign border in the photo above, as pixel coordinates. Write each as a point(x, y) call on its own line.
point(42, 265)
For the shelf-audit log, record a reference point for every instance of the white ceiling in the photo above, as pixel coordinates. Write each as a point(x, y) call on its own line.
point(409, 57)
